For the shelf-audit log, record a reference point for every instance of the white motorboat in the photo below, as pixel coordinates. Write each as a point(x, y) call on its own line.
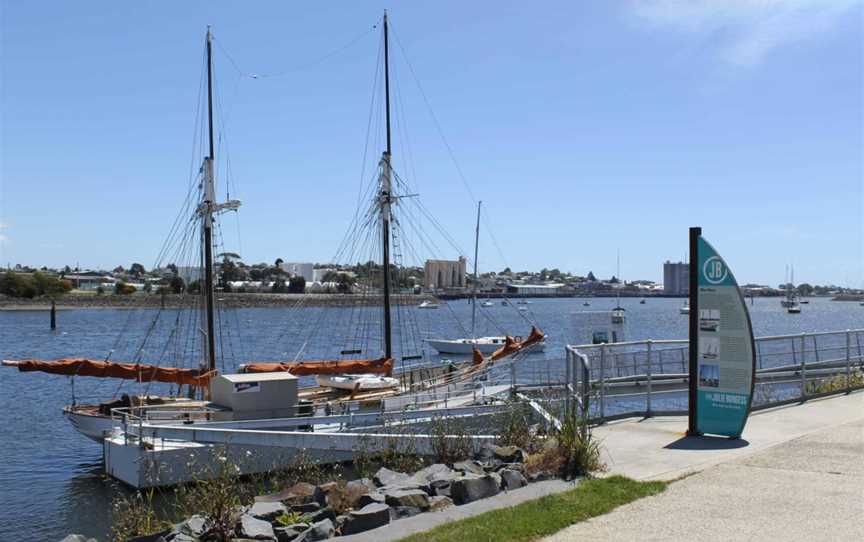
point(360, 382)
point(486, 345)
point(428, 305)
point(487, 304)
point(685, 308)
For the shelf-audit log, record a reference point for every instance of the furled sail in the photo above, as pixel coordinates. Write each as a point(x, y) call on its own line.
point(109, 369)
point(511, 345)
point(305, 368)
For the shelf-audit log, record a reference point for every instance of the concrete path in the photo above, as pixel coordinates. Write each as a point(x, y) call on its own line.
point(800, 476)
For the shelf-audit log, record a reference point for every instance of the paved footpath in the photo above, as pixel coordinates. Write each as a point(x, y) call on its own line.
point(798, 474)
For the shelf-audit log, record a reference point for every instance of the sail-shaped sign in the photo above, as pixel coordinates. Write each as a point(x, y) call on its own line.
point(722, 353)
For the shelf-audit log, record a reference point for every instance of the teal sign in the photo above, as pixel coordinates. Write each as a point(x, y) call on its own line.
point(723, 370)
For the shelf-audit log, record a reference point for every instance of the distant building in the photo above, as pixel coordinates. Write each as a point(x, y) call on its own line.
point(305, 270)
point(90, 280)
point(535, 289)
point(445, 273)
point(189, 274)
point(676, 278)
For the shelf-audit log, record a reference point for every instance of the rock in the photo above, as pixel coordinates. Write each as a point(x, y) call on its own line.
point(299, 493)
point(306, 508)
point(290, 533)
point(268, 511)
point(439, 503)
point(416, 498)
point(319, 515)
point(179, 537)
point(354, 491)
point(512, 466)
point(82, 538)
point(367, 482)
point(540, 477)
point(504, 454)
point(387, 477)
point(472, 487)
point(369, 498)
point(371, 516)
point(427, 474)
point(321, 492)
point(469, 467)
point(321, 530)
point(512, 479)
point(256, 529)
point(402, 512)
point(440, 488)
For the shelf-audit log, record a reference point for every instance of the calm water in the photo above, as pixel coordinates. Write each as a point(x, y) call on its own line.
point(50, 478)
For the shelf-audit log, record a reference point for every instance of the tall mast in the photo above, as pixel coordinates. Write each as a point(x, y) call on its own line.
point(385, 201)
point(476, 250)
point(208, 205)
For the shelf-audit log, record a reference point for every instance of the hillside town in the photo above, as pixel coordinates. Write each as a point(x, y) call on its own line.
point(446, 279)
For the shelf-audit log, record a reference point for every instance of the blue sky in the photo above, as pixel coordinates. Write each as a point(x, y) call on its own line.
point(585, 127)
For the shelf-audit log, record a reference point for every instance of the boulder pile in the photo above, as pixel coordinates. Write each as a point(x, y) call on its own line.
point(307, 513)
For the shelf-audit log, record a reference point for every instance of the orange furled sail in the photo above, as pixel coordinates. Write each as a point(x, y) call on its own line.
point(109, 369)
point(511, 345)
point(304, 368)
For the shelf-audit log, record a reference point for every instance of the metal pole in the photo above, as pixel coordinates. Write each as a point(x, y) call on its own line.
point(385, 202)
point(602, 381)
point(648, 399)
point(693, 379)
point(474, 289)
point(848, 362)
point(803, 369)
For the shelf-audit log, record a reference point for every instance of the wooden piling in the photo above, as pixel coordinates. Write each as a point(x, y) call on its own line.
point(53, 314)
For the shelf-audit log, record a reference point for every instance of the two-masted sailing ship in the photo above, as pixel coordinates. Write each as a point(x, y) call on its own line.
point(351, 374)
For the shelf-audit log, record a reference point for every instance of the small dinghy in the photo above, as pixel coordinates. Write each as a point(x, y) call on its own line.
point(361, 382)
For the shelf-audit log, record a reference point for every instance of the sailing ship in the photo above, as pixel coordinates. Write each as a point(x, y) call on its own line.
point(484, 345)
point(357, 379)
point(790, 303)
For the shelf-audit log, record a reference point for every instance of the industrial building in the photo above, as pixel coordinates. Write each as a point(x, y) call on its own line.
point(445, 273)
point(676, 278)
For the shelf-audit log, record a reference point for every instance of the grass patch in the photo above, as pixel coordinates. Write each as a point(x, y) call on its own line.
point(544, 516)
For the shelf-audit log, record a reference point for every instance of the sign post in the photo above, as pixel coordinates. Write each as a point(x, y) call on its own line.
point(722, 353)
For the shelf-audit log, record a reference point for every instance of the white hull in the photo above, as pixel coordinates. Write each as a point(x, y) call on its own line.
point(427, 305)
point(486, 345)
point(684, 310)
point(92, 426)
point(358, 382)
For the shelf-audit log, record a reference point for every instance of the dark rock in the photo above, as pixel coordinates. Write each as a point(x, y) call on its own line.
point(512, 479)
point(369, 498)
point(319, 515)
point(268, 511)
point(440, 488)
point(472, 487)
point(321, 530)
point(439, 503)
point(402, 512)
point(352, 493)
point(371, 516)
point(321, 492)
point(256, 529)
point(306, 508)
point(387, 477)
point(469, 467)
point(415, 498)
point(291, 532)
point(504, 454)
point(512, 466)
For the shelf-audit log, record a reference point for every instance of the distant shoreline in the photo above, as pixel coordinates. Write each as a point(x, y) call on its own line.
point(174, 301)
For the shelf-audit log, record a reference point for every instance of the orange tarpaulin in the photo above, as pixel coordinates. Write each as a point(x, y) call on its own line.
point(303, 368)
point(110, 369)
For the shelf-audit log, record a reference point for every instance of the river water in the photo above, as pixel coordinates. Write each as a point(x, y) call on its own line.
point(50, 476)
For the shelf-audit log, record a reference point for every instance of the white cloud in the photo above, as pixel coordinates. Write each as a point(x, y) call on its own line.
point(744, 32)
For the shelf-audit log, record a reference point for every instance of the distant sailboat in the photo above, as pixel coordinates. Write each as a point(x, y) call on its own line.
point(618, 312)
point(685, 308)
